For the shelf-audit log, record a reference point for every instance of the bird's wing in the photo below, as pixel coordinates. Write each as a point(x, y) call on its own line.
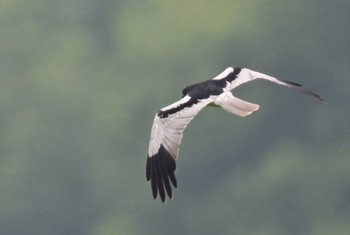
point(168, 126)
point(237, 76)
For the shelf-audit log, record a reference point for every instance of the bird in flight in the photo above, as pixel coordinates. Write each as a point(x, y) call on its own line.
point(170, 122)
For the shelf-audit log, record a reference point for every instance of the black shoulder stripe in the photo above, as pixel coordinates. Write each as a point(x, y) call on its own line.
point(166, 113)
point(232, 76)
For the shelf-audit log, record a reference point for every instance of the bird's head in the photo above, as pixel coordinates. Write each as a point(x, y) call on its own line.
point(185, 91)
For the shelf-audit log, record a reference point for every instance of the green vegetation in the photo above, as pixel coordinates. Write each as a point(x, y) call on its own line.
point(80, 82)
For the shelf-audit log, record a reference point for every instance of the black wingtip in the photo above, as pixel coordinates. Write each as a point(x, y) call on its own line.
point(160, 170)
point(292, 83)
point(148, 169)
point(301, 89)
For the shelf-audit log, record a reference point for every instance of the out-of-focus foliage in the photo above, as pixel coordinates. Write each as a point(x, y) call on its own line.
point(80, 82)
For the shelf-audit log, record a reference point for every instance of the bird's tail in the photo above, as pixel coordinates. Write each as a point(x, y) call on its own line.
point(234, 105)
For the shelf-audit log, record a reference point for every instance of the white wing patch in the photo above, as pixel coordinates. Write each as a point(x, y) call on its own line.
point(168, 131)
point(247, 75)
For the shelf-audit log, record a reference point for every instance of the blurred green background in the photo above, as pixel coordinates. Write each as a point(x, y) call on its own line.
point(81, 80)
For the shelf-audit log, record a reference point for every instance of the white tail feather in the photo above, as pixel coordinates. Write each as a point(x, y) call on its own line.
point(234, 105)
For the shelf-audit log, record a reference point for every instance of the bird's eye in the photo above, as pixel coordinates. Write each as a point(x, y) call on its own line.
point(184, 92)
